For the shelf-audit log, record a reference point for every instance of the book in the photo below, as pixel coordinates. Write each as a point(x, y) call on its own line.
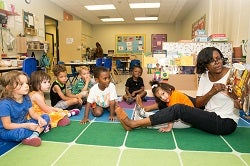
point(218, 39)
point(238, 84)
point(217, 35)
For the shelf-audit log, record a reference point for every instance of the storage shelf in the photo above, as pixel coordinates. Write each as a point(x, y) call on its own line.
point(35, 49)
point(8, 13)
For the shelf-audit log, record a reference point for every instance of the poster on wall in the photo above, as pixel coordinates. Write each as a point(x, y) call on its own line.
point(130, 43)
point(198, 25)
point(29, 25)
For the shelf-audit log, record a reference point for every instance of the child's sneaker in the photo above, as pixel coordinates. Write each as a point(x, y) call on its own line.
point(34, 141)
point(47, 129)
point(64, 121)
point(129, 101)
point(144, 99)
point(139, 112)
point(74, 112)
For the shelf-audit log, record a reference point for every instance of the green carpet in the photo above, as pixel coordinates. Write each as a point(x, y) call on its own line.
point(26, 155)
point(240, 140)
point(246, 158)
point(210, 159)
point(106, 134)
point(89, 155)
point(141, 157)
point(149, 139)
point(108, 144)
point(64, 134)
point(194, 139)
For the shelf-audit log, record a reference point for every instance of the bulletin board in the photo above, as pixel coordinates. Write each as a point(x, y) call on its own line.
point(130, 43)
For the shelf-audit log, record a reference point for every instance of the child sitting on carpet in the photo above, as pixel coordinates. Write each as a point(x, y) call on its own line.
point(166, 93)
point(101, 96)
point(83, 85)
point(60, 95)
point(40, 83)
point(15, 105)
point(134, 86)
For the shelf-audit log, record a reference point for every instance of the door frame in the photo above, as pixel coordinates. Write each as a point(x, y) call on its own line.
point(55, 46)
point(52, 36)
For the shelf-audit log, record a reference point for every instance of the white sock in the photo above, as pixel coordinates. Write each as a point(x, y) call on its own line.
point(34, 134)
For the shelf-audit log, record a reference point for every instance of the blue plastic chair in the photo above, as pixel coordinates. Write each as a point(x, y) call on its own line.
point(107, 62)
point(29, 65)
point(120, 65)
point(134, 62)
point(99, 62)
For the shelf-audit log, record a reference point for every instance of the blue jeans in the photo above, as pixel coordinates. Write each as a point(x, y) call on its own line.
point(21, 133)
point(198, 118)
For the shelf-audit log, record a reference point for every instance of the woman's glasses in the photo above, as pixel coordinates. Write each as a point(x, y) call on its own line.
point(217, 60)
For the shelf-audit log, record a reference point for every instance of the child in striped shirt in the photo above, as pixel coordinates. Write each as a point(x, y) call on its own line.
point(83, 84)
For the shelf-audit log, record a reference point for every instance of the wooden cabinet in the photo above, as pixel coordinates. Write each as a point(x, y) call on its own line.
point(35, 45)
point(71, 40)
point(21, 46)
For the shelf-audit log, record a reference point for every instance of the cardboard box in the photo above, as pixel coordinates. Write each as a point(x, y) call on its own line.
point(187, 82)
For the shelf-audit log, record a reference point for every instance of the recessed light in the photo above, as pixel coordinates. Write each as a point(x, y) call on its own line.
point(100, 7)
point(144, 5)
point(146, 18)
point(112, 19)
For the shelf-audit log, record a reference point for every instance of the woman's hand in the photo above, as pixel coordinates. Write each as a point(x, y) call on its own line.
point(217, 87)
point(238, 104)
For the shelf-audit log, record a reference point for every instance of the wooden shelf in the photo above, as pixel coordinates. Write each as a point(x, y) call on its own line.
point(35, 49)
point(35, 46)
point(8, 13)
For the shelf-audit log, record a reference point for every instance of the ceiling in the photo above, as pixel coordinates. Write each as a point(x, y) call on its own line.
point(169, 12)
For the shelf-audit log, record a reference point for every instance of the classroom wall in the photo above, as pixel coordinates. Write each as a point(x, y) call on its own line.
point(38, 9)
point(200, 10)
point(105, 34)
point(232, 17)
point(224, 16)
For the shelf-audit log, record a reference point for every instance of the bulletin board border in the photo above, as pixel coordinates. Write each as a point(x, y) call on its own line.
point(130, 43)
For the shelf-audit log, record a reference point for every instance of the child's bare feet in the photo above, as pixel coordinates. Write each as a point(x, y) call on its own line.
point(122, 115)
point(165, 129)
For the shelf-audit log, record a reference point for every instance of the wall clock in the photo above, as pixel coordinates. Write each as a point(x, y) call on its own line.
point(28, 1)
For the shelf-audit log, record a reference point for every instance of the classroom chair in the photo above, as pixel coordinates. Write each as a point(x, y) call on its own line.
point(99, 62)
point(29, 65)
point(119, 66)
point(134, 62)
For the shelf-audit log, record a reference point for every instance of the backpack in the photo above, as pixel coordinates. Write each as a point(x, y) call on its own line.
point(45, 61)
